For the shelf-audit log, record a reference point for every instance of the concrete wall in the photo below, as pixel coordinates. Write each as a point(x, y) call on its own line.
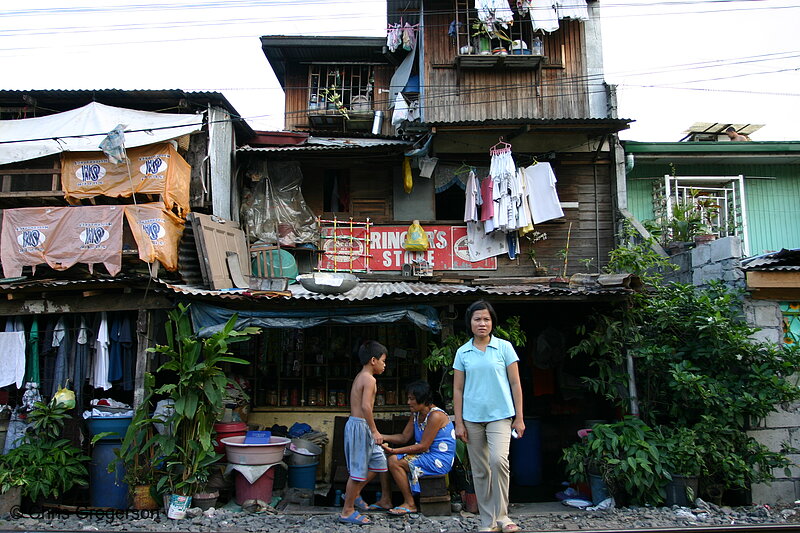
point(720, 259)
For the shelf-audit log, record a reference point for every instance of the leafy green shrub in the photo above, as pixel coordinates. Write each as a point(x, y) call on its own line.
point(45, 465)
point(628, 455)
point(696, 367)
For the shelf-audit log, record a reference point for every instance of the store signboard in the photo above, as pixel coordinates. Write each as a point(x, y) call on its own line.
point(349, 250)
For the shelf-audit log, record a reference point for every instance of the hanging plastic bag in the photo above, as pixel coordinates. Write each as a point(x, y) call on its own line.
point(408, 180)
point(416, 238)
point(65, 398)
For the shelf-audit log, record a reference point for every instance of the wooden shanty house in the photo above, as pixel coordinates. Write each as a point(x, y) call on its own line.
point(377, 137)
point(53, 171)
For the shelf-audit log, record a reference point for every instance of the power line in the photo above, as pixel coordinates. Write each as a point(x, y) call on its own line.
point(358, 15)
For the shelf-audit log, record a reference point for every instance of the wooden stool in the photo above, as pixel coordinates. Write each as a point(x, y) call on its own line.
point(434, 498)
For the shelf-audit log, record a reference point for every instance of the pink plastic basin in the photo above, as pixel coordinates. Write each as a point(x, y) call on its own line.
point(255, 454)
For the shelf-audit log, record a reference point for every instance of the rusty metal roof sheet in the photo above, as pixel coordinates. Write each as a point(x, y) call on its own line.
point(332, 143)
point(22, 283)
point(371, 290)
point(784, 260)
point(536, 124)
point(375, 290)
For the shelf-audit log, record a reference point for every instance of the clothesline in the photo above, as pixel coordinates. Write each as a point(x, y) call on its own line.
point(507, 204)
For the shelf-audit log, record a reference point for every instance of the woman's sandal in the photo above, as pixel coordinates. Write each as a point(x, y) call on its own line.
point(511, 527)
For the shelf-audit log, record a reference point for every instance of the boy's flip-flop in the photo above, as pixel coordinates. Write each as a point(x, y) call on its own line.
point(354, 518)
point(360, 504)
point(400, 511)
point(376, 507)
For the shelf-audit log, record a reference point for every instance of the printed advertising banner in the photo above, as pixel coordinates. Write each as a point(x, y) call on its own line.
point(154, 169)
point(157, 233)
point(61, 237)
point(448, 249)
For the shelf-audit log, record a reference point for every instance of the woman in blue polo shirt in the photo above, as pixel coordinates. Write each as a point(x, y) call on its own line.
point(487, 400)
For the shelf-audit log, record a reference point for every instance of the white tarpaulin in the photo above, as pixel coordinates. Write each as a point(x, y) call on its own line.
point(83, 129)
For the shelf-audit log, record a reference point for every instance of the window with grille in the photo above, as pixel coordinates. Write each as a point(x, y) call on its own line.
point(340, 88)
point(720, 201)
point(473, 37)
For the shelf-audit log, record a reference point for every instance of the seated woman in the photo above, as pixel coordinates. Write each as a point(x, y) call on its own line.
point(433, 452)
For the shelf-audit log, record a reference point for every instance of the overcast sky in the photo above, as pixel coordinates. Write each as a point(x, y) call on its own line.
point(676, 62)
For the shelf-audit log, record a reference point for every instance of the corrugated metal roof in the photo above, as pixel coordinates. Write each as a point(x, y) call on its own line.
point(785, 260)
point(331, 143)
point(371, 290)
point(27, 283)
point(282, 49)
point(375, 290)
point(231, 294)
point(538, 124)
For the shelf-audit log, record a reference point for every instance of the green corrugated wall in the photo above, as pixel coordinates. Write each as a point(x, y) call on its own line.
point(773, 205)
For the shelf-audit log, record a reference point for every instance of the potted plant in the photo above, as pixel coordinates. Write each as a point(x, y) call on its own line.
point(138, 452)
point(11, 485)
point(188, 449)
point(45, 465)
point(626, 455)
point(483, 33)
point(708, 211)
point(538, 269)
point(684, 456)
point(682, 227)
point(462, 478)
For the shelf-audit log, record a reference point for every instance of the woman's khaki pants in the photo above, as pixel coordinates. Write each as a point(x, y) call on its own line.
point(488, 455)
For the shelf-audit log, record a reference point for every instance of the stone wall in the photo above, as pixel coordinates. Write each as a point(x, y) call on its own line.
point(720, 259)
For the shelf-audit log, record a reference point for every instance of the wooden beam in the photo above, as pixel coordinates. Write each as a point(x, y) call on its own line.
point(758, 279)
point(784, 294)
point(144, 336)
point(24, 171)
point(73, 303)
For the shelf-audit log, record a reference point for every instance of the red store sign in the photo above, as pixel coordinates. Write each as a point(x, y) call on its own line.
point(349, 250)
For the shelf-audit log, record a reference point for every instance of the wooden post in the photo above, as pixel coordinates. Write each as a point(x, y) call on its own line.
point(144, 332)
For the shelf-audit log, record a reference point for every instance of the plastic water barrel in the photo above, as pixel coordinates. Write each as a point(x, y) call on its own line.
point(227, 429)
point(303, 476)
point(526, 455)
point(260, 490)
point(104, 488)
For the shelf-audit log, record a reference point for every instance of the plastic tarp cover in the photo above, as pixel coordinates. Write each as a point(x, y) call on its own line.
point(83, 129)
point(157, 233)
point(209, 319)
point(275, 210)
point(61, 237)
point(154, 169)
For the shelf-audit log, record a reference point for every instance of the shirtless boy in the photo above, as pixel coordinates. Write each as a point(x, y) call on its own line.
point(361, 437)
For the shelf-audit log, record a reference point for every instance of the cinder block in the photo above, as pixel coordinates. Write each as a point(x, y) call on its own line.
point(730, 264)
point(779, 491)
point(783, 418)
point(768, 315)
point(772, 335)
point(725, 248)
point(712, 271)
point(701, 255)
point(731, 275)
point(771, 438)
point(794, 469)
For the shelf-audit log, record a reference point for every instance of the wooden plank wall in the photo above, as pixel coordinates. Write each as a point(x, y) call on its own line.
point(559, 90)
point(296, 97)
point(576, 183)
